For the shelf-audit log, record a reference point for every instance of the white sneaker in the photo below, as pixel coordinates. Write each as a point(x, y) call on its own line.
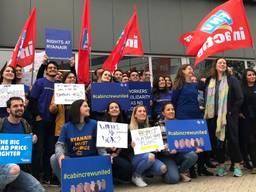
point(138, 181)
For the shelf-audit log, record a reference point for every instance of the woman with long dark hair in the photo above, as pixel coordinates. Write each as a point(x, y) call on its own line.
point(177, 163)
point(79, 125)
point(223, 96)
point(7, 77)
point(121, 162)
point(185, 101)
point(161, 94)
point(248, 118)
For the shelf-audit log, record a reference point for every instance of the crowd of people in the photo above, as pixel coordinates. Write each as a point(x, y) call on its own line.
point(227, 104)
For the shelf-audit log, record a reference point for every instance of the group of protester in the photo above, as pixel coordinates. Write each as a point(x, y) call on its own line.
point(226, 104)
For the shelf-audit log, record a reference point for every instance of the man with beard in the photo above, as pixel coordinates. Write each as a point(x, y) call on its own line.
point(12, 178)
point(41, 95)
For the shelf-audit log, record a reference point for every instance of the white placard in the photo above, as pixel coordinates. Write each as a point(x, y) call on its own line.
point(147, 140)
point(112, 134)
point(66, 94)
point(7, 91)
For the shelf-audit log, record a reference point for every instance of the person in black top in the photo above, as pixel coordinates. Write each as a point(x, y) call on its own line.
point(248, 118)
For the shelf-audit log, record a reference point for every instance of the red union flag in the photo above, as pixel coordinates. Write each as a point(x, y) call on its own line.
point(85, 46)
point(186, 38)
point(129, 43)
point(225, 28)
point(24, 51)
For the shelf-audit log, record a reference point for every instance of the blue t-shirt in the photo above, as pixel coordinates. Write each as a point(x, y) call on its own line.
point(42, 90)
point(164, 96)
point(185, 101)
point(82, 142)
point(12, 128)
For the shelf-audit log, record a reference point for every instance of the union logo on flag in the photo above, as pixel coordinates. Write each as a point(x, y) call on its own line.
point(85, 39)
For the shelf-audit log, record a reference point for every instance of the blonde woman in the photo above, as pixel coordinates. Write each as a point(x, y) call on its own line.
point(146, 163)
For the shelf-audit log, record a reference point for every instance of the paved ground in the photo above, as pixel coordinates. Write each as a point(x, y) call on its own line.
point(247, 183)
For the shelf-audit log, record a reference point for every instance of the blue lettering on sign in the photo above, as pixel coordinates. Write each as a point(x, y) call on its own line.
point(215, 21)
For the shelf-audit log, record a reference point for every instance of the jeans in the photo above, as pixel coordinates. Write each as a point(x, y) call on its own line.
point(177, 164)
point(185, 160)
point(25, 182)
point(143, 165)
point(5, 176)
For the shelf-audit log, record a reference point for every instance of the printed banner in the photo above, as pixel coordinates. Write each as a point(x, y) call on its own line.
point(140, 94)
point(112, 134)
point(104, 93)
point(15, 148)
point(66, 94)
point(87, 174)
point(147, 140)
point(128, 95)
point(187, 135)
point(8, 91)
point(58, 44)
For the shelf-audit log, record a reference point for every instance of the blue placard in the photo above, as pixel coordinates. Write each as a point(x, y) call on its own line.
point(187, 135)
point(140, 94)
point(15, 148)
point(87, 174)
point(103, 93)
point(58, 44)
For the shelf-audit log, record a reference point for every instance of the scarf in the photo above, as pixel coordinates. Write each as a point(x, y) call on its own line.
point(222, 106)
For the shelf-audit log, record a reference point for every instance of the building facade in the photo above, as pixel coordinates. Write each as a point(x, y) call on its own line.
point(161, 24)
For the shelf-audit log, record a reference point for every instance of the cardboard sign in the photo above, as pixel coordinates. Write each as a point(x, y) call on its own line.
point(147, 140)
point(112, 134)
point(66, 94)
point(8, 91)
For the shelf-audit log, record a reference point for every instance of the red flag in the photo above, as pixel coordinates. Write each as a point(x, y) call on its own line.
point(85, 46)
point(186, 38)
point(24, 51)
point(225, 28)
point(129, 43)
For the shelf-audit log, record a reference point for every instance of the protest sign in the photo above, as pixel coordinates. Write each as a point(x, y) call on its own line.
point(66, 94)
point(87, 174)
point(58, 44)
point(15, 148)
point(187, 135)
point(112, 134)
point(140, 94)
point(147, 140)
point(7, 91)
point(104, 93)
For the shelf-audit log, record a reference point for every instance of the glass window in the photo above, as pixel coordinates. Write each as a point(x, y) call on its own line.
point(165, 66)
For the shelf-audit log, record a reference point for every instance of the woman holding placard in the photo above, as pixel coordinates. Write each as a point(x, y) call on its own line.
point(61, 111)
point(7, 77)
point(121, 165)
point(79, 126)
point(146, 163)
point(177, 163)
point(185, 101)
